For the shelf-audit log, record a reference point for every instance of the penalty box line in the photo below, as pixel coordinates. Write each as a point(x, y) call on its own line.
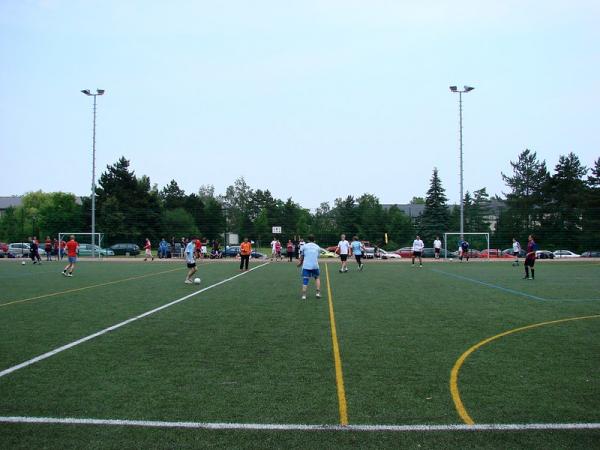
point(119, 325)
point(299, 427)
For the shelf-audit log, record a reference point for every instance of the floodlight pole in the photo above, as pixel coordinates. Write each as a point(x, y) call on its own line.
point(89, 94)
point(460, 128)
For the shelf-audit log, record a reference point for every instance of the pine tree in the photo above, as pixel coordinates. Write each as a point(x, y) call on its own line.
point(435, 218)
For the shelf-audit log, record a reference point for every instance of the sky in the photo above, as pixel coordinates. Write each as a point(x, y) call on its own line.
point(312, 99)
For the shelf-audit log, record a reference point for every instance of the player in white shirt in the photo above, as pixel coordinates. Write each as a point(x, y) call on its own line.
point(417, 249)
point(309, 260)
point(274, 249)
point(343, 249)
point(516, 250)
point(437, 247)
point(190, 260)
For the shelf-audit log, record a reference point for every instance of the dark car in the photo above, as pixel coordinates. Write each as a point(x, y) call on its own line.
point(591, 254)
point(233, 250)
point(126, 249)
point(544, 254)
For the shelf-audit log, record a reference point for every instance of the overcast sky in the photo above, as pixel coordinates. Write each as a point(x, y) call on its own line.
point(312, 99)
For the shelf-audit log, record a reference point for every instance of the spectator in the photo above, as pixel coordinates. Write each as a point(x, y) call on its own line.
point(48, 248)
point(163, 248)
point(290, 250)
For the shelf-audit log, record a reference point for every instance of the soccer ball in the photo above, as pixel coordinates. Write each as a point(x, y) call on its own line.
point(23, 263)
point(196, 280)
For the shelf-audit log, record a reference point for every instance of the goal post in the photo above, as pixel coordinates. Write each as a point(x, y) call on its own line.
point(85, 238)
point(466, 235)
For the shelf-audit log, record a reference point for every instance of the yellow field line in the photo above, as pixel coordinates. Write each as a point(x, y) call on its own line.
point(86, 287)
point(460, 407)
point(339, 376)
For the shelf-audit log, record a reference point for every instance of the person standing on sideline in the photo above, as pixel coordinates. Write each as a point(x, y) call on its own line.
point(309, 260)
point(464, 249)
point(163, 248)
point(48, 248)
point(278, 250)
point(190, 260)
point(55, 247)
point(342, 249)
point(417, 249)
point(357, 248)
point(530, 258)
point(516, 246)
point(437, 247)
point(273, 249)
point(245, 252)
point(72, 248)
point(63, 246)
point(148, 249)
point(290, 249)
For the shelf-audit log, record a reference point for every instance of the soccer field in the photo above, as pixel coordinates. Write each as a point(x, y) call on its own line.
point(125, 355)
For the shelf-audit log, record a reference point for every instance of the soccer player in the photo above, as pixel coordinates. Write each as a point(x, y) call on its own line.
point(72, 246)
point(342, 249)
point(198, 248)
point(245, 252)
point(516, 250)
point(278, 250)
point(34, 251)
point(273, 249)
point(309, 260)
point(530, 258)
point(437, 247)
point(48, 248)
point(148, 248)
point(290, 249)
point(417, 249)
point(190, 251)
point(464, 249)
point(357, 248)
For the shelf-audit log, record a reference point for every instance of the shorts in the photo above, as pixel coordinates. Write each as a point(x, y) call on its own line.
point(417, 254)
point(437, 251)
point(516, 254)
point(191, 265)
point(344, 256)
point(72, 259)
point(529, 261)
point(148, 252)
point(310, 273)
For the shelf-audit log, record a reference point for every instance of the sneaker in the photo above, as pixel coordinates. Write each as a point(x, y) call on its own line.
point(188, 281)
point(341, 271)
point(70, 275)
point(318, 294)
point(421, 266)
point(303, 297)
point(64, 272)
point(360, 267)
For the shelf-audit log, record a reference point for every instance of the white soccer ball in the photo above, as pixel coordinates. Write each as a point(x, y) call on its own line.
point(23, 263)
point(196, 280)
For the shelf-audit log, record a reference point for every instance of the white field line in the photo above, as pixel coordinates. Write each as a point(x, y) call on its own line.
point(119, 325)
point(300, 427)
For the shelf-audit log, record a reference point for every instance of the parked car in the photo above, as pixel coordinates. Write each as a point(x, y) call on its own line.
point(404, 252)
point(429, 252)
point(21, 249)
point(565, 254)
point(591, 254)
point(544, 254)
point(327, 254)
point(509, 252)
point(232, 251)
point(124, 249)
point(86, 250)
point(495, 253)
point(381, 253)
point(369, 252)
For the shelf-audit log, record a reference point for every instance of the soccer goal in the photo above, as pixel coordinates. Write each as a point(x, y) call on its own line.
point(90, 244)
point(477, 238)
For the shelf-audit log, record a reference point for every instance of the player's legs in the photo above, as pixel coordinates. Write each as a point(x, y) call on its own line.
point(318, 286)
point(359, 261)
point(192, 270)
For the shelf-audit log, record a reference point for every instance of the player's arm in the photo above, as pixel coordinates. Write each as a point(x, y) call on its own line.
point(301, 261)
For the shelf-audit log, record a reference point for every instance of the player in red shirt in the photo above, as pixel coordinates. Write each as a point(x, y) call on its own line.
point(148, 248)
point(72, 248)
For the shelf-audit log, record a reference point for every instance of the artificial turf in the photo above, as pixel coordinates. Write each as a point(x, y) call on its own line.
point(250, 351)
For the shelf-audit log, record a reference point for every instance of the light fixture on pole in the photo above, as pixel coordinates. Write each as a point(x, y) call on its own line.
point(462, 209)
point(89, 94)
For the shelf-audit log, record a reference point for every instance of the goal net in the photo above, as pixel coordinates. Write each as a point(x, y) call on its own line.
point(479, 241)
point(90, 244)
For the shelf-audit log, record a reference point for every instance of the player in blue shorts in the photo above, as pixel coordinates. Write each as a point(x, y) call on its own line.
point(309, 260)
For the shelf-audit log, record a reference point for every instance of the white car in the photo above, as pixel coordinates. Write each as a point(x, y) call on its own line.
point(388, 255)
point(22, 249)
point(565, 254)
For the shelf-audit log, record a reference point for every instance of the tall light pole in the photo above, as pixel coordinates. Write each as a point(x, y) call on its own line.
point(462, 207)
point(89, 94)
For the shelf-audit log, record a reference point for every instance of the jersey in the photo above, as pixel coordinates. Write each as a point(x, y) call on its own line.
point(310, 254)
point(245, 248)
point(464, 245)
point(516, 247)
point(437, 244)
point(189, 252)
point(356, 248)
point(418, 245)
point(344, 247)
point(72, 248)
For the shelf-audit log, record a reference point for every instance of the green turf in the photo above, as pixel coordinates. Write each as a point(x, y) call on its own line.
point(249, 351)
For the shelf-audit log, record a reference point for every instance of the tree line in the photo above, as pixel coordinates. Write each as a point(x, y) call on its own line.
point(562, 209)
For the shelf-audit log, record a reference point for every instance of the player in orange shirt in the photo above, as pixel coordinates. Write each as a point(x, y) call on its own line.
point(72, 247)
point(198, 249)
point(245, 252)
